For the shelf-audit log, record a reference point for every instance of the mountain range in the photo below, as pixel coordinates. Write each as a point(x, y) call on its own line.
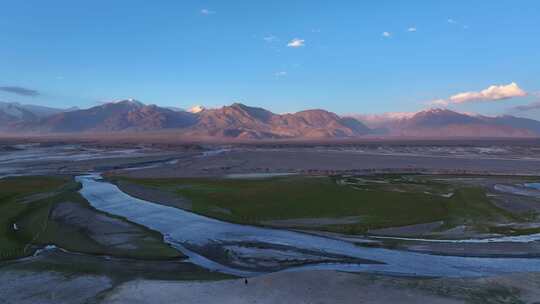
point(447, 123)
point(12, 112)
point(245, 122)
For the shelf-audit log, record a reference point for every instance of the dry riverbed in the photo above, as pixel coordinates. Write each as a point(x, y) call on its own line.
point(296, 287)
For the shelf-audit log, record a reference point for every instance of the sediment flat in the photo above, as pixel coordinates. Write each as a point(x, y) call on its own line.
point(324, 162)
point(333, 287)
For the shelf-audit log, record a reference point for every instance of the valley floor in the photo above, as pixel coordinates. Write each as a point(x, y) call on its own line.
point(368, 198)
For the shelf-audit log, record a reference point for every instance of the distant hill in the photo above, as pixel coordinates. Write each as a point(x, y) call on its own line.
point(245, 122)
point(447, 123)
point(515, 122)
point(125, 115)
point(234, 121)
point(13, 113)
point(239, 120)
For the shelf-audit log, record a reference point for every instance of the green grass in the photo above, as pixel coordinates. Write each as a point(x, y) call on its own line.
point(395, 203)
point(36, 228)
point(471, 205)
point(12, 191)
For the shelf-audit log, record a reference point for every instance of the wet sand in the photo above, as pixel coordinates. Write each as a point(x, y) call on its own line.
point(55, 276)
point(110, 235)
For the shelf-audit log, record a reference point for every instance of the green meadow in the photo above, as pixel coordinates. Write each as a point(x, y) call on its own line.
point(382, 201)
point(25, 222)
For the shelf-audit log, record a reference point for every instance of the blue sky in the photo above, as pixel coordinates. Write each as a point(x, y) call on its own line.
point(181, 53)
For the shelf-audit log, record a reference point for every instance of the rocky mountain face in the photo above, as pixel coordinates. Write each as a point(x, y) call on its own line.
point(242, 121)
point(245, 122)
point(126, 115)
point(12, 113)
point(235, 121)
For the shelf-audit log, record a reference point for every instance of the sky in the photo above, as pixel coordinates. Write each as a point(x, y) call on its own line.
point(286, 56)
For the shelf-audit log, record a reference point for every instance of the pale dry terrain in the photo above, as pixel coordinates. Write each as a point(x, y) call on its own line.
point(284, 287)
point(334, 287)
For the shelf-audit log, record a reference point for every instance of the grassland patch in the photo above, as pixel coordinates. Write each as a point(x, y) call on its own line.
point(380, 201)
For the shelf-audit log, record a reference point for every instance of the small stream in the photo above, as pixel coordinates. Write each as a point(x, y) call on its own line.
point(247, 250)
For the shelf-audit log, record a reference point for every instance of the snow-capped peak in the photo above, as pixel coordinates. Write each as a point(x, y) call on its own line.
point(196, 109)
point(434, 110)
point(135, 101)
point(375, 120)
point(130, 101)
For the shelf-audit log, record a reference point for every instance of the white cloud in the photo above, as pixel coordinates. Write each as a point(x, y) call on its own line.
point(206, 11)
point(411, 29)
point(450, 20)
point(280, 74)
point(492, 93)
point(387, 34)
point(296, 43)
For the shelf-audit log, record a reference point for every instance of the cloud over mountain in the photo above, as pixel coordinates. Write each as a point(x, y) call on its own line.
point(492, 93)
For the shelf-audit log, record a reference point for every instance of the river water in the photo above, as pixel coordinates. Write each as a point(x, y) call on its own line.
point(252, 250)
point(535, 186)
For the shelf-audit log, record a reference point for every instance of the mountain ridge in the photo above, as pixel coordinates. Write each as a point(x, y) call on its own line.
point(438, 122)
point(247, 122)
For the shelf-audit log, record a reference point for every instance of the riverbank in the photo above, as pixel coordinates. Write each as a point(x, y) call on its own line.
point(398, 205)
point(248, 250)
